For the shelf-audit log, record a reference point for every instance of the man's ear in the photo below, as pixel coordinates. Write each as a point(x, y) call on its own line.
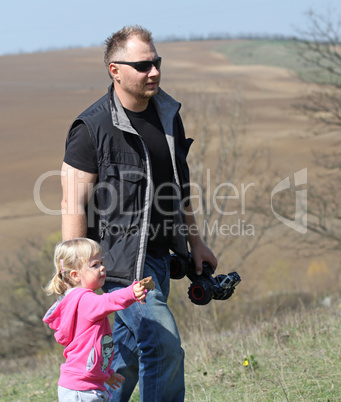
point(114, 71)
point(74, 275)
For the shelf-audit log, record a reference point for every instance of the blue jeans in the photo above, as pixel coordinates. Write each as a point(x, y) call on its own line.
point(147, 342)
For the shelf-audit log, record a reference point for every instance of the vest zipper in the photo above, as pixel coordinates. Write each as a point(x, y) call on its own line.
point(146, 215)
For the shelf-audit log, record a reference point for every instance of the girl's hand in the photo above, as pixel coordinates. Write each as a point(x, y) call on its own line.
point(140, 292)
point(115, 380)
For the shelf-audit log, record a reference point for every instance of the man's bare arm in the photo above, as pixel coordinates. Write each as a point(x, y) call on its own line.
point(77, 187)
point(200, 252)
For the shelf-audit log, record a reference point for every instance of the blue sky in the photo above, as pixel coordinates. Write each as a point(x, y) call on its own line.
point(36, 25)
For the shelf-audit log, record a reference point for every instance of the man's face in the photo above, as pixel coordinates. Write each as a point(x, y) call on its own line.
point(136, 85)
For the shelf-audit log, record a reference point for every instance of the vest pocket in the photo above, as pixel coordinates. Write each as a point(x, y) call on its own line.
point(133, 176)
point(122, 217)
point(126, 185)
point(122, 195)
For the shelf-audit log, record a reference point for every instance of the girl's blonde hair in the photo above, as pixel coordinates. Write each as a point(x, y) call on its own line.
point(68, 256)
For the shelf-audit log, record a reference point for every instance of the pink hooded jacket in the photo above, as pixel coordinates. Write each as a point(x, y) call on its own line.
point(82, 326)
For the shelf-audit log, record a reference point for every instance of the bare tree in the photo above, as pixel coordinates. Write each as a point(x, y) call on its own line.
point(324, 217)
point(229, 176)
point(232, 179)
point(23, 301)
point(319, 46)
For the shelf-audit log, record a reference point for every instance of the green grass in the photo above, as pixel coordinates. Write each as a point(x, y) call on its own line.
point(34, 380)
point(294, 357)
point(272, 53)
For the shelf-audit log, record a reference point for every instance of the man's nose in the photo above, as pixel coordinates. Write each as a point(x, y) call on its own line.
point(154, 71)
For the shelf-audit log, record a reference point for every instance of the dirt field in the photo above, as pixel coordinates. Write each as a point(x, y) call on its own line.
point(40, 95)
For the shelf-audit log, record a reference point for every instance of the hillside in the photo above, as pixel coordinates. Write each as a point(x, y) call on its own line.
point(40, 101)
point(42, 93)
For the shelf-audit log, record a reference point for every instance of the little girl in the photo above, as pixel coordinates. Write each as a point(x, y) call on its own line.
point(79, 319)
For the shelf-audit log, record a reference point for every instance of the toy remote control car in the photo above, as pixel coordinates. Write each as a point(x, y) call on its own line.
point(204, 287)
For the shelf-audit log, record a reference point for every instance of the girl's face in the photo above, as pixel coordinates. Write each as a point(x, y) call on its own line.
point(92, 275)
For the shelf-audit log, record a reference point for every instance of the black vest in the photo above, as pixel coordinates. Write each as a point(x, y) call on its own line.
point(118, 212)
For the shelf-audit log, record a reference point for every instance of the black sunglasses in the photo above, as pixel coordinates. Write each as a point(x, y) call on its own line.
point(142, 66)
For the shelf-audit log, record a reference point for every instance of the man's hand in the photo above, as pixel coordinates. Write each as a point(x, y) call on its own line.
point(200, 253)
point(115, 380)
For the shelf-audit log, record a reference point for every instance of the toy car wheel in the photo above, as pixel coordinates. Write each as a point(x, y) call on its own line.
point(178, 267)
point(200, 293)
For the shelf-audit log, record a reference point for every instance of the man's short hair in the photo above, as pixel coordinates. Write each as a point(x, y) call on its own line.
point(118, 40)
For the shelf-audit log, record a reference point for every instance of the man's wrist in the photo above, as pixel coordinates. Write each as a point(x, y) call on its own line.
point(193, 240)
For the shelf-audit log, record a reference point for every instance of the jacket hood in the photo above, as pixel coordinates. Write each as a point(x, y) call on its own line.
point(61, 317)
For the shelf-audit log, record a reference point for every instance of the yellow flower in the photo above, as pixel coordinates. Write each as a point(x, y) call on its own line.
point(246, 362)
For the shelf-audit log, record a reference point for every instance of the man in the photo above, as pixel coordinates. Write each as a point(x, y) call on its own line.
point(126, 182)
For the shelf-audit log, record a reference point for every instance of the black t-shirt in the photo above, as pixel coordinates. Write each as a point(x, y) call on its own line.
point(81, 154)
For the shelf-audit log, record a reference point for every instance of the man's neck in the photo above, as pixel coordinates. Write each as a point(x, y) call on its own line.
point(131, 103)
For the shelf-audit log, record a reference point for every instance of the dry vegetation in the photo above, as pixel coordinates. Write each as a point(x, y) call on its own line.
point(246, 131)
point(287, 358)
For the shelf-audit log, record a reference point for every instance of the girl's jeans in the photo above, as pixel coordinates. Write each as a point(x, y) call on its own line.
point(69, 395)
point(147, 342)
